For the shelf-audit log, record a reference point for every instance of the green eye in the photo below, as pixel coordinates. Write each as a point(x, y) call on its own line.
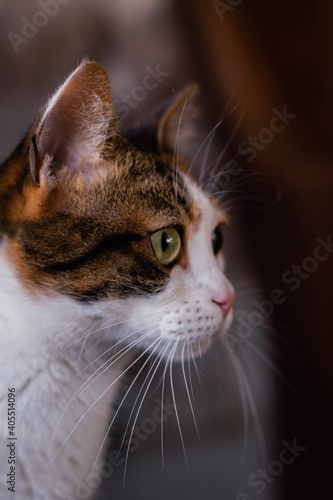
point(166, 244)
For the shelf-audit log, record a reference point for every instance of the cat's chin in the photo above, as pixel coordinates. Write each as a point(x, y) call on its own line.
point(196, 348)
point(202, 346)
point(193, 349)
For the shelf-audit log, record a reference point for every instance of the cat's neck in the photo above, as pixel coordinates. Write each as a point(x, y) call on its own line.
point(49, 354)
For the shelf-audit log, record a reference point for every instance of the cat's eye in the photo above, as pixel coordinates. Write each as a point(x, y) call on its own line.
point(217, 240)
point(166, 244)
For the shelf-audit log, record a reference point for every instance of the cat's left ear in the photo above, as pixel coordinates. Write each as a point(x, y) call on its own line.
point(74, 126)
point(177, 125)
point(170, 127)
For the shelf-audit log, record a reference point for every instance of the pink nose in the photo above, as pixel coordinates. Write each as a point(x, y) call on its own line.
point(226, 302)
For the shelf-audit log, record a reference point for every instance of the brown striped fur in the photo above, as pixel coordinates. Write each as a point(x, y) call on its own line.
point(78, 216)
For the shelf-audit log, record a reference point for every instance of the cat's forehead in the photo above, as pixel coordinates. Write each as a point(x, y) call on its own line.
point(136, 191)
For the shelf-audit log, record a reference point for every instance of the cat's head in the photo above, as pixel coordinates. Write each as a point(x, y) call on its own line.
point(115, 224)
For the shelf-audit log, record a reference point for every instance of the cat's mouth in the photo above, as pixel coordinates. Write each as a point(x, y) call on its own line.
point(193, 347)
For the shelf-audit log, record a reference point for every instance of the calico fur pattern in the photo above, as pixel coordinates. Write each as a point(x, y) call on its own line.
point(48, 246)
point(82, 293)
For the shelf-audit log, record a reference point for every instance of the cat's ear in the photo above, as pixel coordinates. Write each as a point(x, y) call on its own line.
point(170, 127)
point(177, 125)
point(74, 126)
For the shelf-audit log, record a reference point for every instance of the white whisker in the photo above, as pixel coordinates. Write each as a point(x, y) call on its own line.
point(176, 152)
point(197, 153)
point(188, 393)
point(253, 409)
point(138, 395)
point(243, 400)
point(162, 403)
point(92, 405)
point(175, 405)
point(189, 369)
point(195, 366)
point(121, 341)
point(86, 384)
point(224, 150)
point(122, 401)
point(276, 370)
point(33, 383)
point(136, 417)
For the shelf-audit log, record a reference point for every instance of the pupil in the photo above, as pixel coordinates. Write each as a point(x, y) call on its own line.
point(217, 240)
point(165, 241)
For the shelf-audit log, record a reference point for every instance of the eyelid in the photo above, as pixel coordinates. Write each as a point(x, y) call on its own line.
point(178, 227)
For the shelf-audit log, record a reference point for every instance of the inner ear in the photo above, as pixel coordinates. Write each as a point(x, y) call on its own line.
point(75, 124)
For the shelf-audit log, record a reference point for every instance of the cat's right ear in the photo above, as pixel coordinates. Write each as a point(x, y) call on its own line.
point(75, 125)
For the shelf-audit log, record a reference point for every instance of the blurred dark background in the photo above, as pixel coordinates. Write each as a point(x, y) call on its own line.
point(251, 58)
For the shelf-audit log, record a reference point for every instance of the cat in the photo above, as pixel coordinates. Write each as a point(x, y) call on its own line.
point(108, 250)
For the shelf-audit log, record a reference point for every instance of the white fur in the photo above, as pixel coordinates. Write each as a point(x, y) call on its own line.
point(33, 332)
point(41, 338)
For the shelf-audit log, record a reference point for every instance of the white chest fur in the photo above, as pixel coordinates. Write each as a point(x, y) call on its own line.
point(63, 393)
